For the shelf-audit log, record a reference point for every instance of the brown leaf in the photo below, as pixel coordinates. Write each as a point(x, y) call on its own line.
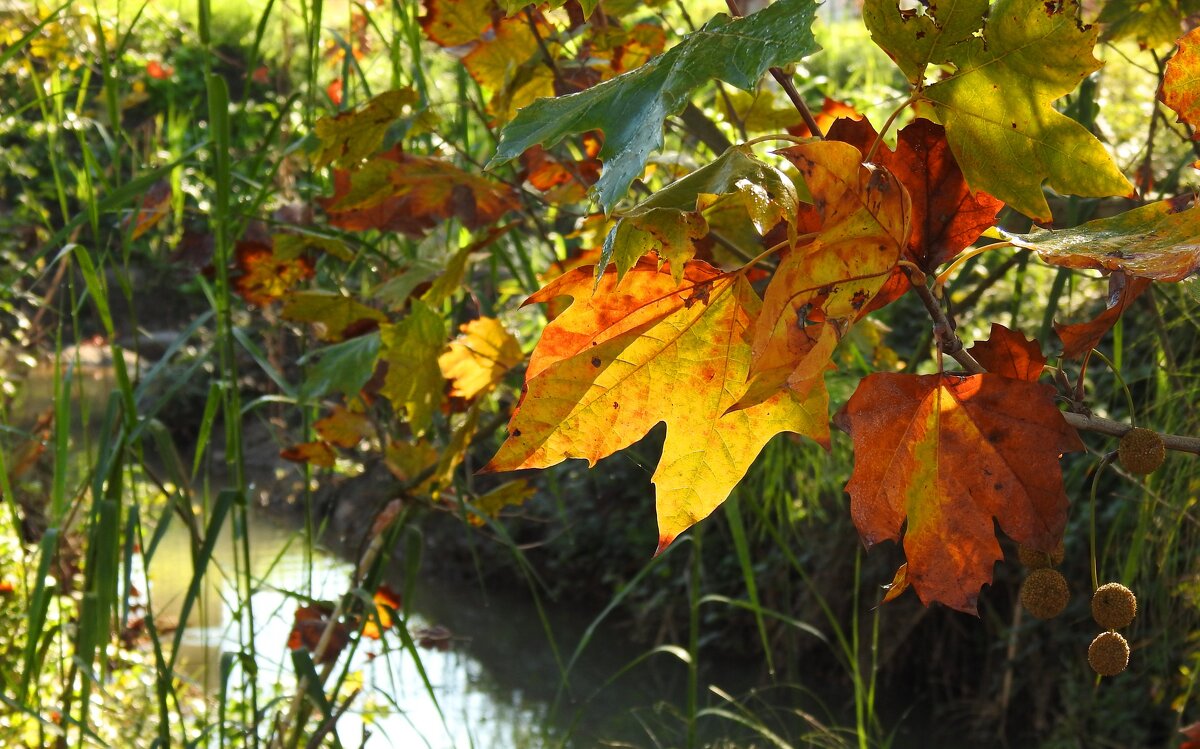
point(315, 453)
point(262, 276)
point(1080, 338)
point(942, 457)
point(898, 585)
point(1009, 354)
point(309, 625)
point(155, 205)
point(343, 428)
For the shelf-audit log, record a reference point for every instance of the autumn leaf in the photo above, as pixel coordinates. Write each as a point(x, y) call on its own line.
point(513, 6)
point(619, 361)
point(408, 460)
point(352, 136)
point(1155, 241)
point(451, 23)
point(944, 455)
point(860, 214)
point(1181, 81)
point(510, 65)
point(478, 359)
point(309, 625)
point(996, 104)
point(262, 275)
point(1080, 338)
point(401, 192)
point(387, 602)
point(296, 245)
point(153, 208)
point(670, 220)
point(1010, 354)
point(899, 584)
point(563, 180)
point(414, 382)
point(343, 428)
point(630, 109)
point(509, 494)
point(315, 453)
point(1151, 23)
point(330, 313)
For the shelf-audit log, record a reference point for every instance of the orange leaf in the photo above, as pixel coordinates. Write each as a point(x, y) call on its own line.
point(1080, 338)
point(861, 215)
point(1009, 354)
point(622, 359)
point(316, 453)
point(309, 625)
point(944, 455)
point(334, 91)
point(478, 359)
point(158, 71)
point(898, 585)
point(387, 602)
point(263, 276)
point(155, 205)
point(411, 194)
point(343, 428)
point(831, 112)
point(1181, 81)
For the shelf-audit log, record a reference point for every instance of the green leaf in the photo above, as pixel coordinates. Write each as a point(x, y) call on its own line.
point(351, 137)
point(631, 108)
point(515, 6)
point(343, 367)
point(414, 381)
point(1151, 23)
point(1156, 241)
point(1011, 61)
point(329, 311)
point(670, 219)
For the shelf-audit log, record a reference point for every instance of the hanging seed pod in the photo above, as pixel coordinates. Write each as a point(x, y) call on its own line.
point(1141, 451)
point(1044, 593)
point(1114, 606)
point(1108, 654)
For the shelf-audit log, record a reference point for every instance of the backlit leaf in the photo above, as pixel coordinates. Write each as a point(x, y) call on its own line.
point(1156, 241)
point(400, 192)
point(630, 109)
point(387, 602)
point(1080, 338)
point(451, 23)
point(621, 360)
point(310, 623)
point(314, 453)
point(513, 6)
point(343, 428)
point(343, 367)
point(671, 219)
point(510, 65)
point(1151, 23)
point(262, 276)
point(1010, 354)
point(330, 313)
point(154, 207)
point(509, 494)
point(410, 348)
point(352, 136)
point(861, 214)
point(944, 456)
point(996, 103)
point(479, 358)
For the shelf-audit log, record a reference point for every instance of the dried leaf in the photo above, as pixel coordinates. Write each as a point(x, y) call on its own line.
point(314, 453)
point(1080, 338)
point(1010, 354)
point(343, 428)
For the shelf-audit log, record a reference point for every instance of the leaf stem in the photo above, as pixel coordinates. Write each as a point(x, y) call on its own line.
point(785, 81)
point(944, 276)
point(870, 154)
point(776, 136)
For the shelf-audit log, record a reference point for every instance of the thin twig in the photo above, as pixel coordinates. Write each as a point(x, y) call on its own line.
point(785, 81)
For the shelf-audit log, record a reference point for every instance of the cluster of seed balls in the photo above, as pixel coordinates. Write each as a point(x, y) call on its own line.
point(1045, 594)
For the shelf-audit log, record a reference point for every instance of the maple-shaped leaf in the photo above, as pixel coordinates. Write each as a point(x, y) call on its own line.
point(264, 275)
point(411, 348)
point(947, 216)
point(631, 108)
point(670, 220)
point(563, 180)
point(352, 136)
point(1080, 338)
point(509, 494)
point(1151, 23)
point(397, 191)
point(1155, 241)
point(1011, 60)
point(621, 360)
point(861, 214)
point(479, 358)
point(943, 456)
point(330, 313)
point(452, 23)
point(1181, 81)
point(343, 428)
point(315, 453)
point(1010, 354)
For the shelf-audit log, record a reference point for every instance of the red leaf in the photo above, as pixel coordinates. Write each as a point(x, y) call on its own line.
point(309, 624)
point(1080, 338)
point(942, 457)
point(264, 277)
point(334, 91)
point(1009, 354)
point(158, 71)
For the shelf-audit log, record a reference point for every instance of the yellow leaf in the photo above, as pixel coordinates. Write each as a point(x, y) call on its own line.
point(410, 348)
point(478, 359)
point(508, 494)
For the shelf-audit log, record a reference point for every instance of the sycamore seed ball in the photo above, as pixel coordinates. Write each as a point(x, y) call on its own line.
point(1108, 654)
point(1114, 606)
point(1141, 451)
point(1044, 593)
point(1036, 560)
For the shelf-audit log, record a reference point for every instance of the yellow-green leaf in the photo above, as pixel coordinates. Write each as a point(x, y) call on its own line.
point(352, 136)
point(1010, 63)
point(329, 312)
point(414, 381)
